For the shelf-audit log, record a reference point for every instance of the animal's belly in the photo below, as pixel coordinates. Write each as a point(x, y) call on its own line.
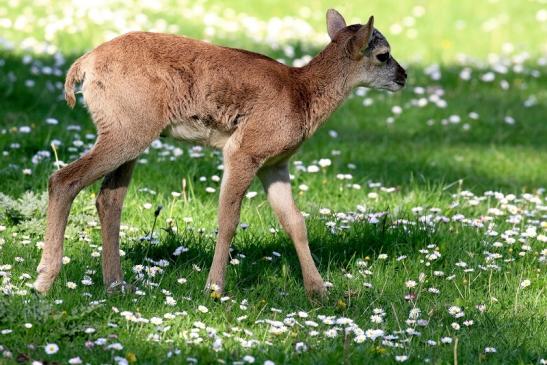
point(197, 132)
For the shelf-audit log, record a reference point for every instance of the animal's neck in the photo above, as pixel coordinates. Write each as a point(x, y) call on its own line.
point(325, 85)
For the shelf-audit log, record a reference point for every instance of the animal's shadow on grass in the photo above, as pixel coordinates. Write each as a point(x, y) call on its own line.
point(331, 251)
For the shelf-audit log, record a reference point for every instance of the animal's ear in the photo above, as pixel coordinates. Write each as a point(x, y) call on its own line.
point(335, 22)
point(361, 39)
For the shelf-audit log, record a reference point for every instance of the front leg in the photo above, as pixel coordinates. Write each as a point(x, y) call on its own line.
point(277, 185)
point(239, 171)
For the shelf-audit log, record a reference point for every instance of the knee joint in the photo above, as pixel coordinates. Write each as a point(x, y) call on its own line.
point(60, 184)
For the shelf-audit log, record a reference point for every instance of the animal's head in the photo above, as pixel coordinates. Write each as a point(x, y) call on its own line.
point(366, 52)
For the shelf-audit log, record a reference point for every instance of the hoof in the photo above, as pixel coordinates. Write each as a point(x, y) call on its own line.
point(47, 270)
point(213, 290)
point(316, 291)
point(43, 283)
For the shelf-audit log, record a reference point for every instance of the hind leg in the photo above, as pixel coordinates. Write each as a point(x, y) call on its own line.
point(110, 151)
point(109, 207)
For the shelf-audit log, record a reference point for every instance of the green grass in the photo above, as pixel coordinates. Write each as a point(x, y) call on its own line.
point(429, 165)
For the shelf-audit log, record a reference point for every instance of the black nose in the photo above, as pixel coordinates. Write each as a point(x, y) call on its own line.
point(400, 79)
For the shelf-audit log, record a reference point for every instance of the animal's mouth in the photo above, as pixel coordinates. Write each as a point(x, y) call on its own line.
point(395, 85)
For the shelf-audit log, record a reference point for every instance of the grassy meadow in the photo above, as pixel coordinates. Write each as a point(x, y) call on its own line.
point(426, 209)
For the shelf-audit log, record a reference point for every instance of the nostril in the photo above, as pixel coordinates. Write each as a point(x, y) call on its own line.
point(401, 77)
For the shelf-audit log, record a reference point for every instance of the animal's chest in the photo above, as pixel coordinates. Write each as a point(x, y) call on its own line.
point(197, 131)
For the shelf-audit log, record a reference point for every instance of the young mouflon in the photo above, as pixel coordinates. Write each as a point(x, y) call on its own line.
point(257, 111)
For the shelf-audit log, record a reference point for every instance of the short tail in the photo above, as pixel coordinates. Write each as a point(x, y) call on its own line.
point(74, 76)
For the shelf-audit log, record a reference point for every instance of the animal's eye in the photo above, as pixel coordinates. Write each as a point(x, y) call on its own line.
point(383, 57)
